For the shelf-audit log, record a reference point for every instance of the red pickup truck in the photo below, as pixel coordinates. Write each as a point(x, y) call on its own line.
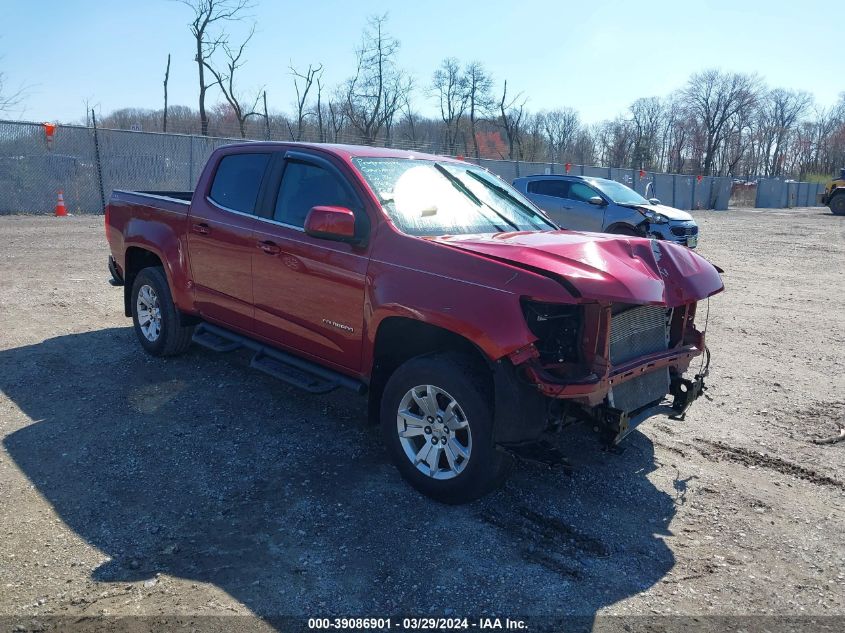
point(474, 325)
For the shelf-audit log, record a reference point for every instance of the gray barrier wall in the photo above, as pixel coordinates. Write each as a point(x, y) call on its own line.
point(32, 171)
point(775, 193)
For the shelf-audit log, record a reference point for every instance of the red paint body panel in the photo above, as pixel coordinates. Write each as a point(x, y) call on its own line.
point(221, 246)
point(334, 222)
point(603, 267)
point(309, 297)
point(326, 299)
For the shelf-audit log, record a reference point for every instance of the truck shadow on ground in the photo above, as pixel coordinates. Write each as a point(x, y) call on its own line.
point(200, 468)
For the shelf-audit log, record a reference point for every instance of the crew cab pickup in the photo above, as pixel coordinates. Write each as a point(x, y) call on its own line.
point(473, 324)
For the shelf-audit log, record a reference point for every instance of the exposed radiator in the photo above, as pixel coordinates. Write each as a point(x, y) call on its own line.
point(638, 331)
point(634, 333)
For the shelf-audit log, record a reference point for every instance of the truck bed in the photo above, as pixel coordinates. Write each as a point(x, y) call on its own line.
point(135, 215)
point(175, 196)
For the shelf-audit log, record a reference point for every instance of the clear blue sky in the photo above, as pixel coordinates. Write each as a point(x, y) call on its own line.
point(596, 56)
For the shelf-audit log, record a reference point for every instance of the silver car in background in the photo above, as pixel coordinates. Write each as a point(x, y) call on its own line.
point(606, 206)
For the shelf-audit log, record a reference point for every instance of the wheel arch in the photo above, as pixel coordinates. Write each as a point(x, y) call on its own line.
point(620, 228)
point(400, 338)
point(135, 260)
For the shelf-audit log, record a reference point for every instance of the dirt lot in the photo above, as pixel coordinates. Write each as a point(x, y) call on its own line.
point(131, 485)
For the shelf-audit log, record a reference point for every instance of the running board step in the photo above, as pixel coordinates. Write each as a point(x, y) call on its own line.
point(287, 367)
point(214, 342)
point(292, 375)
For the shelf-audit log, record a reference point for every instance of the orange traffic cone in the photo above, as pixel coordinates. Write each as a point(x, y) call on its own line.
point(61, 210)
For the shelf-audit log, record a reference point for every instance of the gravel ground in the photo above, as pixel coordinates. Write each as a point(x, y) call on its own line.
point(196, 486)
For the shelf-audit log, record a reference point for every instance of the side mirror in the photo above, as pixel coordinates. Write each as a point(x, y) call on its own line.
point(596, 200)
point(331, 223)
point(654, 201)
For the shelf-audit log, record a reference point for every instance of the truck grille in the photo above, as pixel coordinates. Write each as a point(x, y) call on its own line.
point(638, 331)
point(633, 333)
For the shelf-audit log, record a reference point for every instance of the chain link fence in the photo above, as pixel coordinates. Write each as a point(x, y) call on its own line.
point(86, 164)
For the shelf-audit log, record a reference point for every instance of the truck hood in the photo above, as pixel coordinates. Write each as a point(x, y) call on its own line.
point(602, 267)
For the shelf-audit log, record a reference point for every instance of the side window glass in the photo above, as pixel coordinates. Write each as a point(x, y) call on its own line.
point(556, 188)
point(305, 186)
point(581, 192)
point(238, 180)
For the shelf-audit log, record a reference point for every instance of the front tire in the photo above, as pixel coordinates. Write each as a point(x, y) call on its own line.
point(437, 424)
point(837, 204)
point(156, 319)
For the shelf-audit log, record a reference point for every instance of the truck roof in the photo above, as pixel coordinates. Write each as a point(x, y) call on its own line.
point(350, 151)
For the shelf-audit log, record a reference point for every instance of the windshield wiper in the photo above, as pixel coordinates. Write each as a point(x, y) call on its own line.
point(460, 186)
point(504, 193)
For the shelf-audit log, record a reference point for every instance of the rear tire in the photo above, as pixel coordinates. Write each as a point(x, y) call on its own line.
point(437, 424)
point(156, 319)
point(837, 204)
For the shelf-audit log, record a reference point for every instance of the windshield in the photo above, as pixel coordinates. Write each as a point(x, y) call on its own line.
point(426, 197)
point(618, 193)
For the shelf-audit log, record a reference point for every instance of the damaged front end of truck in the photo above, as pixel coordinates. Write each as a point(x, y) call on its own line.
point(624, 346)
point(614, 365)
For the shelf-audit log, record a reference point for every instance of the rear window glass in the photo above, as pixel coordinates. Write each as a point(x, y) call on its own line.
point(237, 181)
point(556, 188)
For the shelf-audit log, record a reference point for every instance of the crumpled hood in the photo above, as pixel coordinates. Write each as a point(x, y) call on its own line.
point(670, 212)
point(602, 267)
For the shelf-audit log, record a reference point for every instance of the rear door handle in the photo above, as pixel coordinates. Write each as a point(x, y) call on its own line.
point(269, 247)
point(202, 228)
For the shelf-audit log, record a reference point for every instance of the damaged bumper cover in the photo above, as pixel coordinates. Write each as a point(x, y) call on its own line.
point(592, 389)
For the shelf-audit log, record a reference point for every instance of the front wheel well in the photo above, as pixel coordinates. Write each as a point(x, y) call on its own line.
point(399, 339)
point(623, 228)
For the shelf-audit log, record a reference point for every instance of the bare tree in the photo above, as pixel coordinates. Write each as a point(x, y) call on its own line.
point(675, 135)
point(376, 73)
point(166, 79)
point(337, 113)
point(646, 117)
point(614, 140)
point(10, 98)
point(302, 84)
point(534, 146)
point(560, 127)
point(242, 107)
point(266, 116)
point(208, 37)
point(479, 86)
point(449, 86)
point(319, 109)
point(511, 113)
point(713, 98)
point(410, 118)
point(398, 92)
point(779, 112)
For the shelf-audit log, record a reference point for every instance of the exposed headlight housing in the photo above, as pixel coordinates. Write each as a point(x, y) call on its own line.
point(654, 217)
point(558, 328)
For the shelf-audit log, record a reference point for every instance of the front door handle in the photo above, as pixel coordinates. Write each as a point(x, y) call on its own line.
point(202, 228)
point(269, 247)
